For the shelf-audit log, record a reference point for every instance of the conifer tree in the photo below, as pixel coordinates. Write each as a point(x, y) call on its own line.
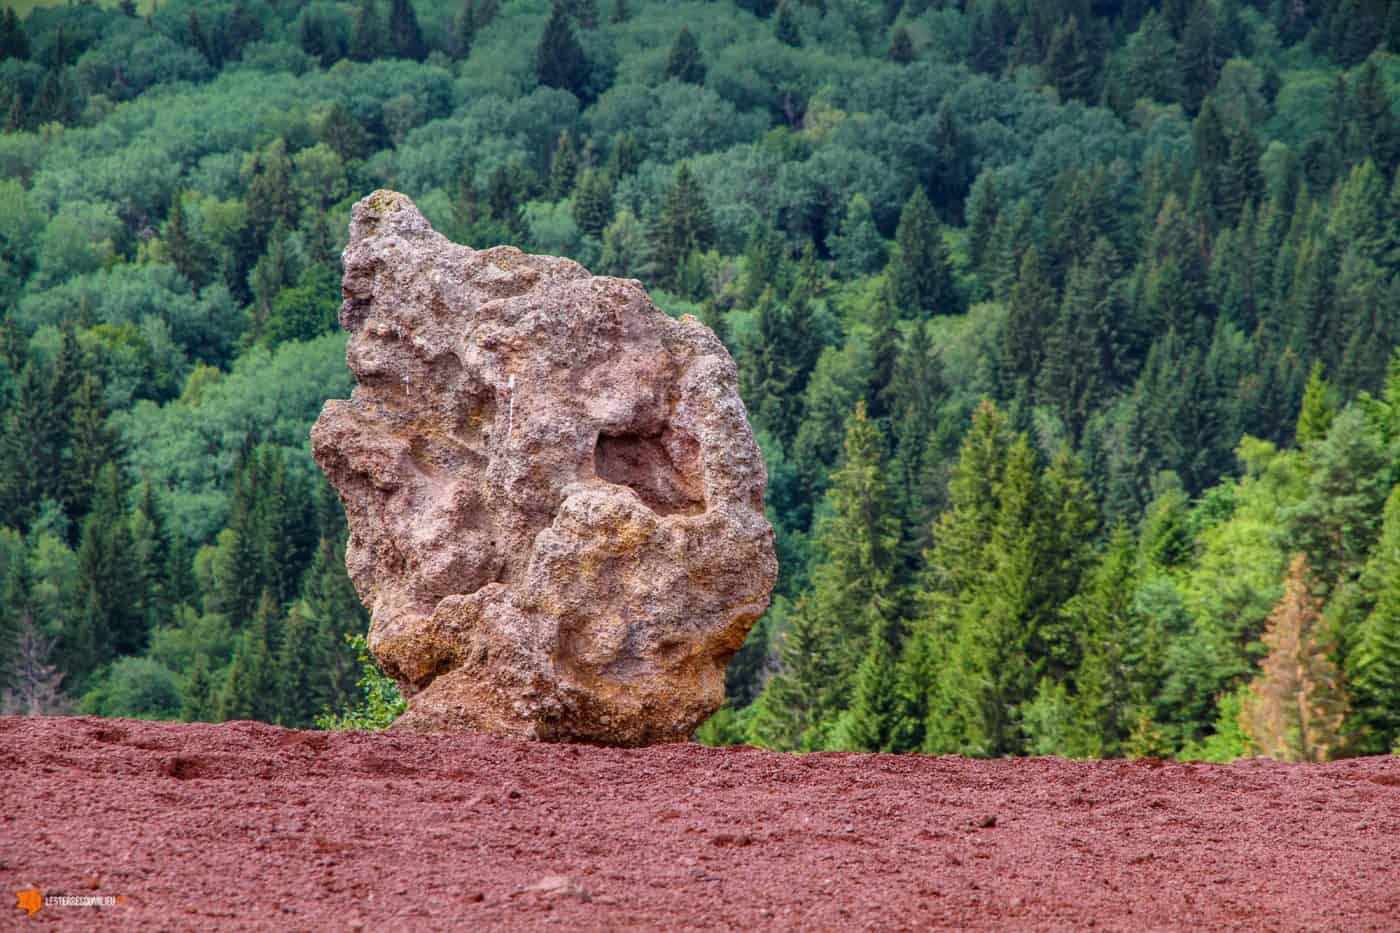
point(857, 245)
point(593, 202)
point(1030, 312)
point(849, 603)
point(563, 167)
point(1319, 409)
point(1374, 664)
point(14, 43)
point(1081, 350)
point(405, 35)
point(1068, 65)
point(464, 29)
point(684, 62)
point(785, 26)
point(343, 133)
point(1102, 620)
point(91, 447)
point(875, 720)
point(367, 33)
point(1296, 705)
point(108, 574)
point(30, 443)
point(901, 47)
point(559, 59)
point(683, 225)
point(200, 702)
point(919, 272)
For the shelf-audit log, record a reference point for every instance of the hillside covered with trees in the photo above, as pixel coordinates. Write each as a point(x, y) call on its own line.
point(1068, 328)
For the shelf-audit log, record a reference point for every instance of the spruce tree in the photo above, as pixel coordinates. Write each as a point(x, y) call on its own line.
point(343, 133)
point(405, 35)
point(1081, 348)
point(563, 167)
point(1319, 409)
point(901, 47)
point(464, 30)
point(1030, 312)
point(13, 41)
point(1296, 705)
point(31, 443)
point(367, 33)
point(785, 26)
point(919, 272)
point(108, 575)
point(856, 244)
point(593, 202)
point(850, 601)
point(1068, 64)
point(200, 702)
point(559, 59)
point(91, 447)
point(683, 225)
point(684, 62)
point(1103, 620)
point(1373, 665)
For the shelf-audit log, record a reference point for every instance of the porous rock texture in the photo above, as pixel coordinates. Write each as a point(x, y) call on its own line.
point(555, 500)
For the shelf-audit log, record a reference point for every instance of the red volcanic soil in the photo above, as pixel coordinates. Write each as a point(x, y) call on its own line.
point(249, 826)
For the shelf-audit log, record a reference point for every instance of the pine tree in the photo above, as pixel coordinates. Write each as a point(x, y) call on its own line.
point(593, 202)
point(857, 245)
point(13, 41)
point(200, 702)
point(1102, 618)
point(367, 33)
point(109, 577)
point(684, 62)
point(559, 59)
point(1319, 409)
point(901, 47)
point(1296, 704)
point(683, 225)
point(31, 441)
point(1068, 65)
point(195, 37)
point(464, 30)
point(1080, 352)
point(1200, 55)
point(919, 272)
point(250, 692)
point(785, 26)
point(1030, 313)
point(875, 720)
point(405, 35)
point(563, 167)
point(186, 254)
point(343, 133)
point(1374, 664)
point(850, 601)
point(91, 447)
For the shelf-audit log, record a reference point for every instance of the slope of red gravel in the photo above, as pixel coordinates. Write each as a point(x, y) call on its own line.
point(244, 825)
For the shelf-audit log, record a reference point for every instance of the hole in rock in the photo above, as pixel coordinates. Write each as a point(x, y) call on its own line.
point(642, 463)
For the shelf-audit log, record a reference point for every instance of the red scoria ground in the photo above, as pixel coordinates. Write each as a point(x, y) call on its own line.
point(248, 826)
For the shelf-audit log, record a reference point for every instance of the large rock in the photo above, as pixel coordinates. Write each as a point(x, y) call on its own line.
point(555, 500)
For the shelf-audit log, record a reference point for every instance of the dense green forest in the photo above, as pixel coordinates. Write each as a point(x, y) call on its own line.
point(1068, 328)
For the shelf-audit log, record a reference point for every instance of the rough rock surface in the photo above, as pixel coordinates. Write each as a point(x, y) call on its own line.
point(555, 500)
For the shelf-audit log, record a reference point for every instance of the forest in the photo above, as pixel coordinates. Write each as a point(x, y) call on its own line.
point(1068, 329)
